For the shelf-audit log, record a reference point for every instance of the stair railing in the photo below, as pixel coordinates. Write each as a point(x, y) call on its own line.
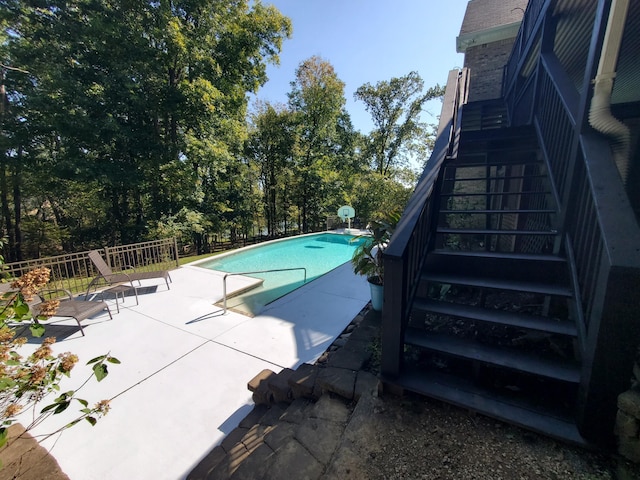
point(404, 257)
point(600, 233)
point(531, 23)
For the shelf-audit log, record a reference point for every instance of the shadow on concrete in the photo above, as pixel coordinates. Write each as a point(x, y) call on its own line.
point(206, 316)
point(60, 332)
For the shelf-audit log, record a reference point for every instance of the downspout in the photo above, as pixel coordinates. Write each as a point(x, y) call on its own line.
point(600, 116)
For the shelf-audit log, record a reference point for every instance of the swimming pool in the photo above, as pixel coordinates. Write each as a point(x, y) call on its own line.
point(318, 254)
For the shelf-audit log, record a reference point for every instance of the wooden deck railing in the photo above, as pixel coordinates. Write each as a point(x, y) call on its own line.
point(404, 257)
point(74, 271)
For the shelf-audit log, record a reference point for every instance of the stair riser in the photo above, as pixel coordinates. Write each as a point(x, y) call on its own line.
point(526, 322)
point(477, 354)
point(541, 271)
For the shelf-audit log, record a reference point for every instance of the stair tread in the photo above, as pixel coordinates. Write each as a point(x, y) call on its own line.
point(460, 162)
point(486, 211)
point(488, 231)
point(484, 194)
point(508, 134)
point(502, 317)
point(568, 371)
point(536, 257)
point(484, 179)
point(467, 395)
point(476, 281)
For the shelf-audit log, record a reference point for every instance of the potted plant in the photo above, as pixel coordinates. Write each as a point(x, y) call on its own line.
point(367, 258)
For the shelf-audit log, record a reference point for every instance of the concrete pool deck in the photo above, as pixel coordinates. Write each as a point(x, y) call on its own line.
point(182, 384)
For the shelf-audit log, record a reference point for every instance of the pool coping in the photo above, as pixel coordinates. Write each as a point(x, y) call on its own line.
point(350, 232)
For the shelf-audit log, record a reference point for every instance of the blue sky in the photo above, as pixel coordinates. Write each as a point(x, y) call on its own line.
point(369, 41)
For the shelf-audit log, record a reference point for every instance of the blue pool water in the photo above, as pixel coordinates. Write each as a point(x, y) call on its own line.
point(319, 254)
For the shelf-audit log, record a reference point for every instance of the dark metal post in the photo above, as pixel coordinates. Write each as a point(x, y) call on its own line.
point(393, 311)
point(612, 343)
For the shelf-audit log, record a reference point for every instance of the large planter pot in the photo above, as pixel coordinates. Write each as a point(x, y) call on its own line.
point(376, 293)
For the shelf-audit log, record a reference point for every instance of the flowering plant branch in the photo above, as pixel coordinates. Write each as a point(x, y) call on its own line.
point(25, 381)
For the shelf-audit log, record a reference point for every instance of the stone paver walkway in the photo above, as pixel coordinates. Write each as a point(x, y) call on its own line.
point(304, 419)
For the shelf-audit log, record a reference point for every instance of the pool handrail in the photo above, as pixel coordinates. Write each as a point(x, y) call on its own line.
point(224, 280)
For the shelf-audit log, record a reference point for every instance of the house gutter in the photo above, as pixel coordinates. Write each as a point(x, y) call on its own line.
point(600, 116)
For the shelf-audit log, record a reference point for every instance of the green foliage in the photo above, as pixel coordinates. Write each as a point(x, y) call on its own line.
point(317, 99)
point(186, 226)
point(395, 108)
point(376, 194)
point(100, 368)
point(128, 121)
point(122, 109)
point(367, 258)
point(270, 150)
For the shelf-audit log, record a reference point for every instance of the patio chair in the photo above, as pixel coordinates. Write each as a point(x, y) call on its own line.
point(69, 307)
point(110, 278)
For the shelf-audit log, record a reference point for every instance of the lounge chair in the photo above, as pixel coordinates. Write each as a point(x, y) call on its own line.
point(109, 277)
point(69, 307)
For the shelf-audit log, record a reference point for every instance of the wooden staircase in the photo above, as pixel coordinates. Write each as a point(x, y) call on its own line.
point(490, 326)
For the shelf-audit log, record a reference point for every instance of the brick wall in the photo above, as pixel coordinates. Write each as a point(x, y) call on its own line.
point(483, 14)
point(486, 63)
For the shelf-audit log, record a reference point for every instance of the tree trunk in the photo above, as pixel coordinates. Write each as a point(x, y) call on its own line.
point(139, 212)
point(116, 224)
point(17, 206)
point(273, 219)
point(304, 209)
point(6, 213)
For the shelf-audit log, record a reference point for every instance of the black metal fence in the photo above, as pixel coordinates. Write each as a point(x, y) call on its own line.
point(75, 271)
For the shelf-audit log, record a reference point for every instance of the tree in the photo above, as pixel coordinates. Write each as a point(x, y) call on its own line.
point(136, 102)
point(270, 147)
point(395, 108)
point(317, 98)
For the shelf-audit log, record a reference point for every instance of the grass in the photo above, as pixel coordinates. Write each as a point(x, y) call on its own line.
point(193, 258)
